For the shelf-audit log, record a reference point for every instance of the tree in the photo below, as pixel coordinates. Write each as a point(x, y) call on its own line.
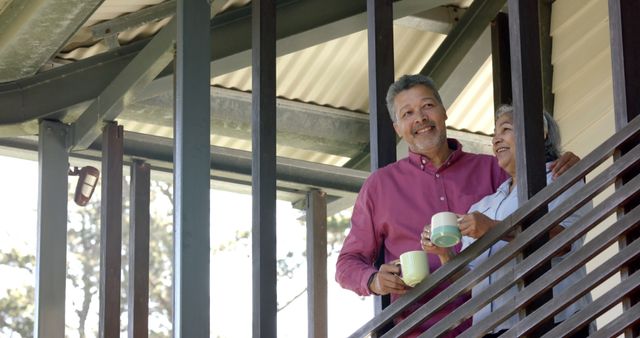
point(17, 304)
point(83, 264)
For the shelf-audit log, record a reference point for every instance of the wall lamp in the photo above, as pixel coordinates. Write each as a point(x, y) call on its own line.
point(87, 181)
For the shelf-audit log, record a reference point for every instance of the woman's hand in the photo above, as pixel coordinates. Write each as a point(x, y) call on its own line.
point(475, 224)
point(445, 254)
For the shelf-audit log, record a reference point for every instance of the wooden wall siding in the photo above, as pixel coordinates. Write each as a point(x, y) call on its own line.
point(582, 73)
point(581, 57)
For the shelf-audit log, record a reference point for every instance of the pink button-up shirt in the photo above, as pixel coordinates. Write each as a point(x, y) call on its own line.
point(396, 202)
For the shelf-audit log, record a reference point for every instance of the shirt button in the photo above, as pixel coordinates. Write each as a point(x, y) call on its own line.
point(442, 198)
point(424, 161)
point(437, 175)
point(422, 167)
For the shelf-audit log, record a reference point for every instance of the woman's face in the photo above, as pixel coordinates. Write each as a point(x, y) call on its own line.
point(504, 143)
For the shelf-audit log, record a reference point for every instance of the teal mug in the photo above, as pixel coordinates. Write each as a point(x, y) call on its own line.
point(444, 229)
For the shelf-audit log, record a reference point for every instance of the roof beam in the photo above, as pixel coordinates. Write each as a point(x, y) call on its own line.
point(467, 67)
point(230, 166)
point(134, 19)
point(137, 74)
point(146, 15)
point(307, 126)
point(296, 31)
point(462, 37)
point(438, 20)
point(31, 32)
point(68, 85)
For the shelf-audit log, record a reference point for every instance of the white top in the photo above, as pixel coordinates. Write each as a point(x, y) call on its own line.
point(500, 205)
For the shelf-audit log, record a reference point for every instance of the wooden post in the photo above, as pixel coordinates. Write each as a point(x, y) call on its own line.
point(381, 76)
point(625, 53)
point(527, 103)
point(263, 168)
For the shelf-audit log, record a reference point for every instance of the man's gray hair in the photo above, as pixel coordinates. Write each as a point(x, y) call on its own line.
point(407, 82)
point(551, 129)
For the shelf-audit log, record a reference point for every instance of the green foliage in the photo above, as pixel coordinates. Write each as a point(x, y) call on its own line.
point(336, 232)
point(83, 265)
point(17, 312)
point(16, 306)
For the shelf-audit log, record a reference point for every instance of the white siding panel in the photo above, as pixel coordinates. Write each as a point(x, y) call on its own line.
point(583, 91)
point(582, 72)
point(577, 55)
point(576, 114)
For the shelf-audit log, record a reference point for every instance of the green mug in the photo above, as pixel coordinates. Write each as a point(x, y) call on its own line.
point(414, 267)
point(444, 229)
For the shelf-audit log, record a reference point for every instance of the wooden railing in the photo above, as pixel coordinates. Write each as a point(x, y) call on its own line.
point(627, 165)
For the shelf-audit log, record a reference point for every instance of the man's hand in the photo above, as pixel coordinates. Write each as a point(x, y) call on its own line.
point(475, 224)
point(562, 164)
point(387, 281)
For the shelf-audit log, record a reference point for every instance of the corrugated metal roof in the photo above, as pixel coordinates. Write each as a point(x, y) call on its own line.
point(334, 74)
point(473, 109)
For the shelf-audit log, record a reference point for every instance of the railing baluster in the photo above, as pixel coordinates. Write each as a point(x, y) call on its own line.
point(582, 168)
point(590, 190)
point(598, 307)
point(578, 172)
point(596, 215)
point(598, 275)
point(615, 327)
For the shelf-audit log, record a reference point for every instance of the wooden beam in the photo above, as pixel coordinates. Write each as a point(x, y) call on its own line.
point(546, 45)
point(51, 254)
point(317, 264)
point(263, 169)
point(192, 131)
point(139, 221)
point(501, 60)
point(111, 230)
point(527, 102)
point(381, 76)
point(625, 53)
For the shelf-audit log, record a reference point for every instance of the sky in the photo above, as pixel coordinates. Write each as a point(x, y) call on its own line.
point(230, 270)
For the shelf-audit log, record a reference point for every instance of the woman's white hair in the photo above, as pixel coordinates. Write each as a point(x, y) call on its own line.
point(551, 132)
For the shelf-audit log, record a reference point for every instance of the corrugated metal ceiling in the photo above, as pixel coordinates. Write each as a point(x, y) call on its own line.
point(331, 74)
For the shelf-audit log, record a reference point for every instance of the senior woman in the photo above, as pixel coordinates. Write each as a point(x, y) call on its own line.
point(492, 209)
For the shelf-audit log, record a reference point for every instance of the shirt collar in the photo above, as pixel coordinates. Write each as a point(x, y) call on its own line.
point(504, 187)
point(423, 162)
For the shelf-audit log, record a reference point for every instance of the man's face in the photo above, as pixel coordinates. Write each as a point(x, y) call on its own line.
point(420, 120)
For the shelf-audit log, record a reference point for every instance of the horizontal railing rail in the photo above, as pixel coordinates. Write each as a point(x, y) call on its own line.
point(503, 256)
point(598, 275)
point(598, 307)
point(549, 249)
point(618, 325)
point(520, 217)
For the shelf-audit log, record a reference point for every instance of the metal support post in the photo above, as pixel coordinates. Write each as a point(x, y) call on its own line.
point(263, 168)
point(111, 230)
point(138, 295)
point(191, 315)
point(51, 255)
point(317, 264)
